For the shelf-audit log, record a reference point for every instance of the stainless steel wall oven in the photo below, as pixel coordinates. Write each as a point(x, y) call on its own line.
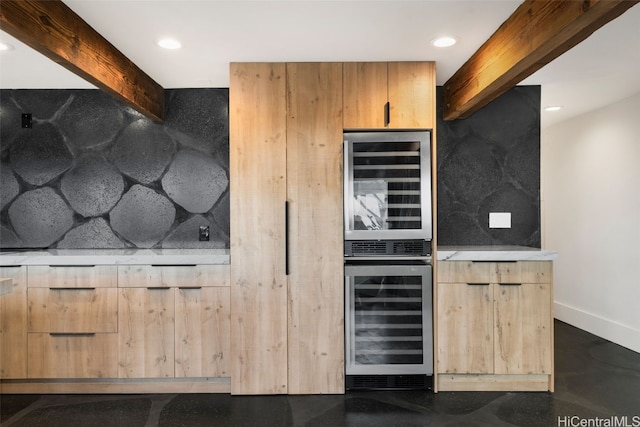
point(388, 273)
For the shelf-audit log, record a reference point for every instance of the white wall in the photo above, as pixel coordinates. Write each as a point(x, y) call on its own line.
point(590, 182)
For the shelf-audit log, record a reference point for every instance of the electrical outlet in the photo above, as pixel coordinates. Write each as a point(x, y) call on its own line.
point(203, 233)
point(27, 121)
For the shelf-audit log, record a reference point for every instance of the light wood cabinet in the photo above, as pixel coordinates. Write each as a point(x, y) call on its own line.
point(71, 322)
point(314, 192)
point(173, 321)
point(72, 310)
point(54, 356)
point(202, 334)
point(494, 326)
point(389, 95)
point(285, 157)
point(146, 333)
point(13, 324)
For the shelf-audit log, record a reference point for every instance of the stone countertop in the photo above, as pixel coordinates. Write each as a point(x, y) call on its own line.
point(494, 253)
point(116, 256)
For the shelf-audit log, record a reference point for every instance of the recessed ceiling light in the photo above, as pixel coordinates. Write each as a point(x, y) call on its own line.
point(445, 41)
point(5, 46)
point(169, 44)
point(553, 108)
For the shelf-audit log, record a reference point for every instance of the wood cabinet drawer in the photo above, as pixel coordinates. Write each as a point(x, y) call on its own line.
point(495, 272)
point(87, 310)
point(523, 272)
point(165, 276)
point(72, 356)
point(464, 272)
point(98, 276)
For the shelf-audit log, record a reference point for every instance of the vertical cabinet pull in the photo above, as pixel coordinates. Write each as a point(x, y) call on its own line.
point(286, 237)
point(387, 114)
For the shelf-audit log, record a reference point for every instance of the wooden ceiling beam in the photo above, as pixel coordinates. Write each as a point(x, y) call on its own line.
point(56, 31)
point(535, 34)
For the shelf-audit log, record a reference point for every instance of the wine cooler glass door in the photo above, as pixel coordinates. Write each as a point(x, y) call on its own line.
point(388, 319)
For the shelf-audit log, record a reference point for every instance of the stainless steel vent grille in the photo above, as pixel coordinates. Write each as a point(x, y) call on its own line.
point(388, 382)
point(387, 247)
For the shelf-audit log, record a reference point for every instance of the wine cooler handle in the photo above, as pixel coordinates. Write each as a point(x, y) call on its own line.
point(286, 237)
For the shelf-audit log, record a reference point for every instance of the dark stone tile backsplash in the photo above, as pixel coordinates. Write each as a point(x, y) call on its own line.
point(93, 173)
point(490, 162)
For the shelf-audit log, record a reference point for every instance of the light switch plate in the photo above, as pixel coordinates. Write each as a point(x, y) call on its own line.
point(499, 219)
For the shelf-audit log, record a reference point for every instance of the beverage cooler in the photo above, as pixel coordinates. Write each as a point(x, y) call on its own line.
point(388, 326)
point(388, 272)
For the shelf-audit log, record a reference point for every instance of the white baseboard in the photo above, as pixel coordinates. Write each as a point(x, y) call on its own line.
point(605, 328)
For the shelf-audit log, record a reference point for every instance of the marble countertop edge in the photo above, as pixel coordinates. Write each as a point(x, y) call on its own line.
point(494, 253)
point(117, 257)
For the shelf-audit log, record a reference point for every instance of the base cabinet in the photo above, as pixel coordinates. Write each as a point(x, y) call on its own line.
point(13, 325)
point(112, 329)
point(495, 326)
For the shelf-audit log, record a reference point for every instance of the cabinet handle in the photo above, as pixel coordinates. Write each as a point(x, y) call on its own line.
point(189, 287)
point(72, 289)
point(72, 334)
point(477, 284)
point(510, 284)
point(286, 237)
point(10, 266)
point(387, 113)
point(158, 288)
point(72, 266)
point(173, 265)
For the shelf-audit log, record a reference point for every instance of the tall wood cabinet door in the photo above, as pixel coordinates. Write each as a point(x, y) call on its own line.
point(523, 322)
point(465, 328)
point(202, 332)
point(13, 325)
point(257, 169)
point(314, 188)
point(146, 333)
point(412, 95)
point(364, 95)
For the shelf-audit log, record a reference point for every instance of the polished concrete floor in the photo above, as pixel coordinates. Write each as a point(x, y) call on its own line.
point(597, 384)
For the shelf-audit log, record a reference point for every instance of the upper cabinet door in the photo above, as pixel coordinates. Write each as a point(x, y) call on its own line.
point(411, 89)
point(364, 95)
point(393, 95)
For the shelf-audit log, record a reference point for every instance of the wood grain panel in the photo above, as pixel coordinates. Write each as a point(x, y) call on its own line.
point(72, 310)
point(449, 382)
point(465, 328)
point(146, 333)
point(364, 95)
point(99, 276)
point(523, 329)
point(13, 324)
point(257, 157)
point(536, 33)
point(314, 191)
point(132, 276)
point(72, 356)
point(412, 95)
point(523, 272)
point(57, 32)
point(465, 272)
point(203, 335)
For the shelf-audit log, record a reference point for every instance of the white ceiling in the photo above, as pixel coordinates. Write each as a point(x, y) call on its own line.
point(601, 70)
